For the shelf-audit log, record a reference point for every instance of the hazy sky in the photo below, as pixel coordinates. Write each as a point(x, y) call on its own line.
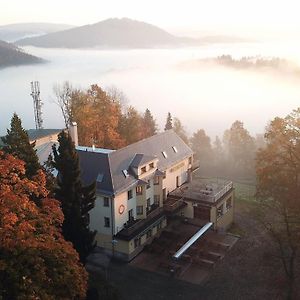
point(203, 15)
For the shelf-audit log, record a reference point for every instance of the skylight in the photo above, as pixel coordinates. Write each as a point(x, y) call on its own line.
point(164, 154)
point(100, 177)
point(174, 149)
point(125, 173)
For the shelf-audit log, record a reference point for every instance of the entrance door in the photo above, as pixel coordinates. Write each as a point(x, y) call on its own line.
point(202, 213)
point(177, 181)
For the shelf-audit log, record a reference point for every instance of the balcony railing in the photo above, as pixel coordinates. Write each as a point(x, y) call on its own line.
point(135, 225)
point(151, 208)
point(172, 204)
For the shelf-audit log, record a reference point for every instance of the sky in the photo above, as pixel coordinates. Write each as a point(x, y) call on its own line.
point(232, 16)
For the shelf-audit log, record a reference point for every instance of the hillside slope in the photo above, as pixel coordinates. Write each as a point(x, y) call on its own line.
point(10, 55)
point(13, 32)
point(110, 33)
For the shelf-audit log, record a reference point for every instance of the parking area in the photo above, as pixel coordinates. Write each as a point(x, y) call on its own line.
point(196, 264)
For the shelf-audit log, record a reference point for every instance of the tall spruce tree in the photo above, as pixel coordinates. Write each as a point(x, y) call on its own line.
point(16, 142)
point(76, 200)
point(169, 122)
point(149, 124)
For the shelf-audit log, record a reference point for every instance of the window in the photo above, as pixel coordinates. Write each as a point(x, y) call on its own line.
point(220, 211)
point(139, 190)
point(149, 233)
point(139, 210)
point(164, 177)
point(130, 214)
point(143, 170)
point(174, 149)
point(156, 180)
point(129, 194)
point(228, 203)
point(148, 184)
point(106, 222)
point(151, 166)
point(125, 173)
point(156, 199)
point(164, 154)
point(158, 226)
point(99, 177)
point(106, 201)
point(137, 242)
point(148, 203)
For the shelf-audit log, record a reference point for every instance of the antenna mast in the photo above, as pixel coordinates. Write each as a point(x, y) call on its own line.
point(37, 104)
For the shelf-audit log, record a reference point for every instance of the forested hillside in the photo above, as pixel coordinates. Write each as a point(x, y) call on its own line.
point(11, 55)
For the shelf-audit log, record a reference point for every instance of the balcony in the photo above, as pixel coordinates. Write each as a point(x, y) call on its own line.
point(134, 227)
point(173, 205)
point(151, 209)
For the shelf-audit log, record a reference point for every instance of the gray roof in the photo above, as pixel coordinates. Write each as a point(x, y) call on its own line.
point(35, 134)
point(141, 159)
point(112, 164)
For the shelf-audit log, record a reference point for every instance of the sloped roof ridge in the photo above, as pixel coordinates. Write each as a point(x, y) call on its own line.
point(143, 140)
point(110, 171)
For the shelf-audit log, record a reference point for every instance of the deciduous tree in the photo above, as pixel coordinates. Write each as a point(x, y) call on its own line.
point(35, 260)
point(278, 189)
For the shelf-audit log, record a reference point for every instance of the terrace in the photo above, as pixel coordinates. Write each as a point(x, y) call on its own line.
point(135, 227)
point(201, 192)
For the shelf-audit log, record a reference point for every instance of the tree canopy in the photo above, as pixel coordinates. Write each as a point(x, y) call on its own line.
point(278, 189)
point(169, 122)
point(76, 200)
point(17, 143)
point(35, 260)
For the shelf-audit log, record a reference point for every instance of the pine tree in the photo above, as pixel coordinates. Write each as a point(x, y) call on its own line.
point(76, 200)
point(17, 143)
point(169, 123)
point(149, 124)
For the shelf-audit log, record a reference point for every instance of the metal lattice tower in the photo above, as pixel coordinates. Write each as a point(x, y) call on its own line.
point(37, 104)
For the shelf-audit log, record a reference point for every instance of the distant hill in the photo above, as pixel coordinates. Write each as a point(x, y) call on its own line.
point(110, 33)
point(10, 55)
point(14, 32)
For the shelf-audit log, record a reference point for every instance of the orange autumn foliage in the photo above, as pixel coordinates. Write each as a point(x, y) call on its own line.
point(35, 260)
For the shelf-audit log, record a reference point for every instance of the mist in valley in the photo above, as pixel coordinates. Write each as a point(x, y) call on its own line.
point(205, 96)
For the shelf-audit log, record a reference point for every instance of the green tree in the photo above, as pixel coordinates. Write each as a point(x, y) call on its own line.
point(179, 129)
point(76, 200)
point(131, 126)
point(201, 146)
point(240, 149)
point(278, 189)
point(17, 143)
point(149, 126)
point(169, 122)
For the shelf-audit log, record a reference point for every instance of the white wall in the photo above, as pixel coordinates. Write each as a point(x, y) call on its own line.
point(97, 215)
point(170, 181)
point(119, 200)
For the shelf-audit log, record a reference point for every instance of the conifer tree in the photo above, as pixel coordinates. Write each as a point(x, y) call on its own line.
point(76, 200)
point(149, 124)
point(17, 143)
point(169, 123)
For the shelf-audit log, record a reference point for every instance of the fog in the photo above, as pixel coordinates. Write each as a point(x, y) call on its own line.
point(206, 97)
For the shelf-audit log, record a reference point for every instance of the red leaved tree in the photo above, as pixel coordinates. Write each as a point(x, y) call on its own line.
point(35, 260)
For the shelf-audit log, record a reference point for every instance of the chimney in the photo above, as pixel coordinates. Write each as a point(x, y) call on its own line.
point(73, 132)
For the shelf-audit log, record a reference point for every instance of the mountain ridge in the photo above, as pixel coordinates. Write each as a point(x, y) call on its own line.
point(110, 33)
